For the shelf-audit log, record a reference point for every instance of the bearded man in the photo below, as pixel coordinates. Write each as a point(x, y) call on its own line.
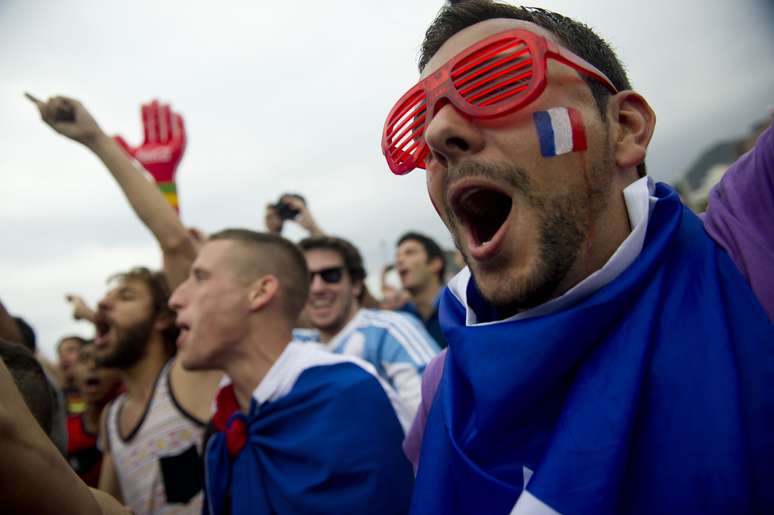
point(608, 351)
point(152, 434)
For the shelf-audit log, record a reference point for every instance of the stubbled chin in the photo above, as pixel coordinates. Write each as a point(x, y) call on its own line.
point(499, 280)
point(321, 313)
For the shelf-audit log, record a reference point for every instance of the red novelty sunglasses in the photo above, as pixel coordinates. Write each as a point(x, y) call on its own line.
point(498, 75)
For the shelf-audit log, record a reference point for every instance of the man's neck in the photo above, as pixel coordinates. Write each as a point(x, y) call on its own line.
point(327, 335)
point(607, 234)
point(424, 299)
point(91, 417)
point(252, 359)
point(140, 378)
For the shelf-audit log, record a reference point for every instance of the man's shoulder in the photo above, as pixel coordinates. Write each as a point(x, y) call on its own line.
point(409, 308)
point(325, 378)
point(343, 375)
point(387, 321)
point(397, 334)
point(305, 363)
point(113, 405)
point(192, 391)
point(303, 334)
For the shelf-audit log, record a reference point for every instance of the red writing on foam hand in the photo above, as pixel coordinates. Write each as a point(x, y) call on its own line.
point(164, 144)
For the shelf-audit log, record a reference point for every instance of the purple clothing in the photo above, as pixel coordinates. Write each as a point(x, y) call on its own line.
point(412, 444)
point(431, 378)
point(739, 218)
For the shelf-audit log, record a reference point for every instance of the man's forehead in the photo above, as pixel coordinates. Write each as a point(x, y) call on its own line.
point(126, 283)
point(410, 244)
point(227, 258)
point(214, 252)
point(475, 33)
point(323, 258)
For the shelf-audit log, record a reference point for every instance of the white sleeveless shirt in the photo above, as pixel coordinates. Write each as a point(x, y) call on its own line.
point(158, 465)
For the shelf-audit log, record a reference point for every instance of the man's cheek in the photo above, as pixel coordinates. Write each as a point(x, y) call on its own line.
point(560, 130)
point(434, 191)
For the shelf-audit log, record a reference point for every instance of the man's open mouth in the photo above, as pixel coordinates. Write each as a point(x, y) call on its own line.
point(92, 382)
point(103, 329)
point(184, 328)
point(482, 210)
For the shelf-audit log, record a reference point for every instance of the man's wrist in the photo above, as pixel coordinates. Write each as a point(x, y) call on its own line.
point(101, 143)
point(169, 190)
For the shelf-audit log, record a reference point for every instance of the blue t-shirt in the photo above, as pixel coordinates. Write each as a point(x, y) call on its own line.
point(431, 324)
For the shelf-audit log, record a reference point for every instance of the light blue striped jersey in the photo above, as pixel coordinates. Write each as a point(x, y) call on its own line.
point(397, 345)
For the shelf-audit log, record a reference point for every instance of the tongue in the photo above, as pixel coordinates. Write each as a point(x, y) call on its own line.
point(101, 338)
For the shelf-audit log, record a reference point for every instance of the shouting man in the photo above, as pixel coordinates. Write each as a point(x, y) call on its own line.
point(608, 350)
point(152, 432)
point(421, 266)
point(298, 429)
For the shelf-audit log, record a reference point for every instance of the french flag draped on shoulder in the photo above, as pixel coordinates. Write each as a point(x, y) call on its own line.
point(651, 395)
point(331, 444)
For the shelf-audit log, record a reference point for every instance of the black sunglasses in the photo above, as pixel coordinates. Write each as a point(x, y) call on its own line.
point(330, 275)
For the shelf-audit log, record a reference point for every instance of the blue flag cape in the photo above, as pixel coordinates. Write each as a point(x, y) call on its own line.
point(331, 445)
point(652, 395)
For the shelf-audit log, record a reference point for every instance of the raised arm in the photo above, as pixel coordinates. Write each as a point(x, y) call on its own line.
point(304, 217)
point(36, 478)
point(295, 210)
point(81, 310)
point(69, 118)
point(740, 213)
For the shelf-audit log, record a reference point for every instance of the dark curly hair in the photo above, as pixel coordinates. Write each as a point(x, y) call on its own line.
point(353, 261)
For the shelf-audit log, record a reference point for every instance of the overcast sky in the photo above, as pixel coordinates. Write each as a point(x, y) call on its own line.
point(291, 96)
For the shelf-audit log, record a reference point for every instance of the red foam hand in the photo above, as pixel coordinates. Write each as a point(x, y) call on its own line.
point(164, 144)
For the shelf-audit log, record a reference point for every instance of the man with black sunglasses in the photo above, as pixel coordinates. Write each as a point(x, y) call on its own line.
point(608, 350)
point(397, 345)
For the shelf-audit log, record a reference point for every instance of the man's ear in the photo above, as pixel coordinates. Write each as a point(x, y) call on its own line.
point(633, 124)
point(357, 288)
point(435, 265)
point(262, 291)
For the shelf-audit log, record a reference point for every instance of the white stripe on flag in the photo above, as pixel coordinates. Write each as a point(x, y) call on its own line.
point(528, 504)
point(527, 475)
point(560, 122)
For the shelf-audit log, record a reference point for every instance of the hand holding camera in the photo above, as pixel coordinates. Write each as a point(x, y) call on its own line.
point(291, 206)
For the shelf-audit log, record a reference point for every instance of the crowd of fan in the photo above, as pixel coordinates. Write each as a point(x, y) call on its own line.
point(120, 392)
point(609, 350)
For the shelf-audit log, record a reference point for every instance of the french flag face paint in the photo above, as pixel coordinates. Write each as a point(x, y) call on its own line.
point(560, 130)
